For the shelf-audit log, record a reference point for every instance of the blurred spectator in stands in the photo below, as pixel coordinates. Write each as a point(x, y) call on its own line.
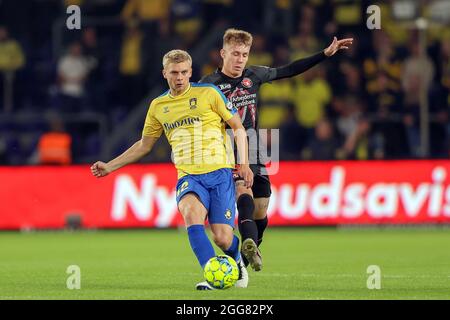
point(324, 145)
point(385, 108)
point(275, 100)
point(73, 70)
point(278, 17)
point(352, 81)
point(305, 42)
point(443, 70)
point(12, 58)
point(440, 101)
point(390, 25)
point(385, 99)
point(308, 13)
point(276, 97)
point(216, 12)
point(54, 146)
point(281, 55)
point(349, 114)
point(382, 71)
point(355, 129)
point(347, 14)
point(95, 86)
point(149, 13)
point(214, 62)
point(186, 15)
point(166, 42)
point(417, 76)
point(312, 94)
point(347, 77)
point(292, 136)
point(131, 73)
point(241, 18)
point(11, 53)
point(260, 55)
point(359, 145)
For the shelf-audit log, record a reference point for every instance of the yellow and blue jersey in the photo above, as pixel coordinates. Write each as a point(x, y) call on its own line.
point(194, 124)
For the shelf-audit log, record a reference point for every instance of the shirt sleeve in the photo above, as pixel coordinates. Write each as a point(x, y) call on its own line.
point(267, 74)
point(264, 74)
point(299, 66)
point(221, 105)
point(152, 127)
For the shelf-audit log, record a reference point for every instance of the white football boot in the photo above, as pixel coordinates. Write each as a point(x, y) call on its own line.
point(243, 275)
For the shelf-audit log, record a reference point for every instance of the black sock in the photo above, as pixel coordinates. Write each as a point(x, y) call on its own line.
point(261, 225)
point(247, 226)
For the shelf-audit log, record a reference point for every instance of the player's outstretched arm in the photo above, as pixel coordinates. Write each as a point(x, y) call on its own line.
point(131, 155)
point(242, 147)
point(299, 66)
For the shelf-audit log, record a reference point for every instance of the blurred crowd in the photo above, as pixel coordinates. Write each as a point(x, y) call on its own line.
point(363, 103)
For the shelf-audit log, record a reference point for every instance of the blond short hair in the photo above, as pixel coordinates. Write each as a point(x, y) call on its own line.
point(238, 37)
point(176, 56)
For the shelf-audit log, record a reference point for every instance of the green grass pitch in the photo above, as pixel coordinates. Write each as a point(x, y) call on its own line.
point(299, 263)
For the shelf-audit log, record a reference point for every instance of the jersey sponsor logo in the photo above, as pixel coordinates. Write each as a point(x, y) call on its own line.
point(245, 103)
point(181, 123)
point(224, 86)
point(247, 82)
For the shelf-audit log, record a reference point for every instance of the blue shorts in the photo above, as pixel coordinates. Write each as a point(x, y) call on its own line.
point(216, 192)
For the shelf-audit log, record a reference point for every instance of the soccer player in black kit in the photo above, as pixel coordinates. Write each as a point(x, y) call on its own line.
point(240, 84)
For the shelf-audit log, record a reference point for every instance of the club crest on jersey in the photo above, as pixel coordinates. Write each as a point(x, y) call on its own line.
point(246, 82)
point(228, 214)
point(166, 109)
point(193, 103)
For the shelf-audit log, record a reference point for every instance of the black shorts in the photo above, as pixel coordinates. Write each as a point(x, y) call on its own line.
point(261, 181)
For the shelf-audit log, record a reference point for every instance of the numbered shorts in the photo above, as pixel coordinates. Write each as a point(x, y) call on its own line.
point(215, 190)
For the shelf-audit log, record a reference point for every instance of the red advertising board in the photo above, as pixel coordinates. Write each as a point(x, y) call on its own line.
point(304, 193)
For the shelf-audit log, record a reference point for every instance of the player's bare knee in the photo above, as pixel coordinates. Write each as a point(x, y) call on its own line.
point(194, 218)
point(191, 210)
point(261, 207)
point(259, 214)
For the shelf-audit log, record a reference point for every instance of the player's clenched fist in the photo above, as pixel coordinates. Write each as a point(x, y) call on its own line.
point(100, 169)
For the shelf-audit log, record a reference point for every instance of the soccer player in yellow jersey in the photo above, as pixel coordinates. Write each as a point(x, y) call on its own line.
point(193, 116)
